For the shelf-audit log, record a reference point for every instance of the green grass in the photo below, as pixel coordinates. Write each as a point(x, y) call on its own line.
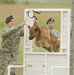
point(18, 12)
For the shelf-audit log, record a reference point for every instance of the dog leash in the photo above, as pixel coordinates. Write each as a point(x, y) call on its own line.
point(34, 16)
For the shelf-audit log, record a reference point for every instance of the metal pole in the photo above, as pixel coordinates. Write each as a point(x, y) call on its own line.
point(72, 43)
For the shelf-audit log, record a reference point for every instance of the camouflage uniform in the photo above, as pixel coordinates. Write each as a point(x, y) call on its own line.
point(9, 47)
point(55, 32)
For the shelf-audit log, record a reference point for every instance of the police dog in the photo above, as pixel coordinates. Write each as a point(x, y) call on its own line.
point(44, 38)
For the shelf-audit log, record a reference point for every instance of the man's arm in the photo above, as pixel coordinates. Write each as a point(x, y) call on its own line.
point(55, 32)
point(22, 32)
point(12, 30)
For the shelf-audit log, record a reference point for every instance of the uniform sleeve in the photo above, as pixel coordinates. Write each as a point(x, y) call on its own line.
point(56, 33)
point(9, 31)
point(22, 32)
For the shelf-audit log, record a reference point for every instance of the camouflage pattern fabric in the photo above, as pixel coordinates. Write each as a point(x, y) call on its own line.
point(9, 47)
point(55, 32)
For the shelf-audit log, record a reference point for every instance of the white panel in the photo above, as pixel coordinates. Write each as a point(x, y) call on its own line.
point(57, 64)
point(56, 58)
point(35, 70)
point(28, 21)
point(35, 58)
point(65, 29)
point(60, 71)
point(34, 73)
point(35, 65)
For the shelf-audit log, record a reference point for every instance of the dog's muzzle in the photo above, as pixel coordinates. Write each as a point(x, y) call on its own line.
point(31, 38)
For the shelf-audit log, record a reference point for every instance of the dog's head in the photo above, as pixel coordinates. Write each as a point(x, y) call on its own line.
point(34, 31)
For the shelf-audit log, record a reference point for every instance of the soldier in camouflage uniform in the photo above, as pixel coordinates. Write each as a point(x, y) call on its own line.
point(50, 24)
point(10, 44)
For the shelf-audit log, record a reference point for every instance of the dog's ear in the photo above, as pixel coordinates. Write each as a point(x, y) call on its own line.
point(36, 22)
point(28, 27)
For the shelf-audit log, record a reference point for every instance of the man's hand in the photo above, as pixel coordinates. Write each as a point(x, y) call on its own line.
point(22, 24)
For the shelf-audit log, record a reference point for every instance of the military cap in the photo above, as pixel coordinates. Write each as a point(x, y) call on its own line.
point(8, 19)
point(50, 19)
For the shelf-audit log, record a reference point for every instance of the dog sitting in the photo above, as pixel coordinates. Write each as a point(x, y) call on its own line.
point(44, 38)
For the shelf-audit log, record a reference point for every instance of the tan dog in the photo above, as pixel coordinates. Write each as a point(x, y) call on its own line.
point(44, 38)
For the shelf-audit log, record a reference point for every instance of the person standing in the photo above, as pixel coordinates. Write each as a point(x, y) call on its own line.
point(10, 44)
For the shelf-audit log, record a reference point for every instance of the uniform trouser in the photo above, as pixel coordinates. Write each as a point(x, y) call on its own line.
point(5, 60)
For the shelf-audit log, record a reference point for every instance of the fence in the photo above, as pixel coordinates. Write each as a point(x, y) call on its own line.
point(43, 0)
point(17, 8)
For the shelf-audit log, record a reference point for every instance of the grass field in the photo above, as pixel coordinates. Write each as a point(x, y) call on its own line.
point(17, 10)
